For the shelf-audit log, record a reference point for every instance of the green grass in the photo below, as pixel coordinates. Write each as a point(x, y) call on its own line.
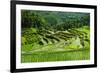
point(56, 56)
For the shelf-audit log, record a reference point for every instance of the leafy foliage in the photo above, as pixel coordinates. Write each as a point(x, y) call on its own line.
point(54, 20)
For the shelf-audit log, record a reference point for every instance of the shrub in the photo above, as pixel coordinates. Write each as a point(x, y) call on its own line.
point(31, 35)
point(86, 45)
point(23, 40)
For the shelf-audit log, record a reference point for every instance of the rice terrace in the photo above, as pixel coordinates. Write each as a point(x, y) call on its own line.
point(54, 36)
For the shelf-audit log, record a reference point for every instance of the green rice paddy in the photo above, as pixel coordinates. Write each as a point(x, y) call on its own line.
point(72, 44)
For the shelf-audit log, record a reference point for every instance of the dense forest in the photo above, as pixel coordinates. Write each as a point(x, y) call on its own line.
point(54, 20)
point(57, 33)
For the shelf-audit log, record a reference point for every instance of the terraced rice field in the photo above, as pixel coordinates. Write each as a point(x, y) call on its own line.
point(72, 44)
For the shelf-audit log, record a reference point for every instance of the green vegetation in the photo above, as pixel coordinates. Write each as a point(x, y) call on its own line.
point(54, 36)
